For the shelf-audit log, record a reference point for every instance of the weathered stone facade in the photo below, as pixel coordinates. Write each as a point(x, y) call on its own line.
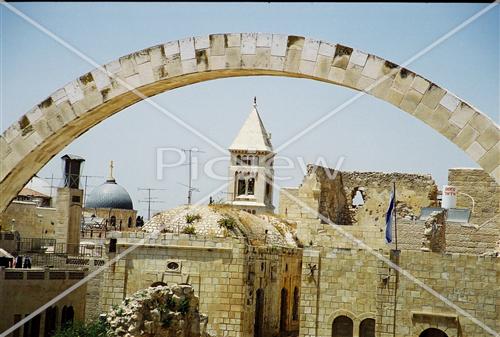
point(237, 275)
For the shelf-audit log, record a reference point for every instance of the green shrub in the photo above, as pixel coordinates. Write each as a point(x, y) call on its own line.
point(227, 222)
point(189, 230)
point(171, 303)
point(95, 328)
point(190, 218)
point(184, 306)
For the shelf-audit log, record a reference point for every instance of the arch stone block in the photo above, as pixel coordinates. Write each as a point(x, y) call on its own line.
point(27, 145)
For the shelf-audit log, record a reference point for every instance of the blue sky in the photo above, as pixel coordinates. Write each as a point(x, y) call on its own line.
point(370, 134)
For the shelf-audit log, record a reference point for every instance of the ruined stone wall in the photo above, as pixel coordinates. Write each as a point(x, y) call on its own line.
point(225, 274)
point(483, 189)
point(355, 284)
point(413, 191)
point(332, 195)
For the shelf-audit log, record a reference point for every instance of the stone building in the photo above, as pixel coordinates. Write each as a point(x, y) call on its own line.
point(245, 269)
point(347, 287)
point(22, 291)
point(251, 170)
point(112, 203)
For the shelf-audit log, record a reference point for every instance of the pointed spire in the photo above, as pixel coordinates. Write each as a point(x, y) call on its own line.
point(111, 179)
point(253, 134)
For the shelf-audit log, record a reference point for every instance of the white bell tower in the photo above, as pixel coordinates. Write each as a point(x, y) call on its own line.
point(251, 170)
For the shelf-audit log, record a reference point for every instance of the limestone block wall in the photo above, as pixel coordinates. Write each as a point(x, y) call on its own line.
point(336, 282)
point(24, 290)
point(225, 274)
point(483, 189)
point(471, 282)
point(356, 284)
point(30, 221)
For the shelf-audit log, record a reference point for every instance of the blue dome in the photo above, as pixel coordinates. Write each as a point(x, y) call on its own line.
point(109, 195)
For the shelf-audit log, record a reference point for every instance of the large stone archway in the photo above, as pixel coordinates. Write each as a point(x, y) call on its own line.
point(26, 146)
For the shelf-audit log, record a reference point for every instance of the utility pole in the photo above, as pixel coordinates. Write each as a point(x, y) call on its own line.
point(189, 186)
point(150, 199)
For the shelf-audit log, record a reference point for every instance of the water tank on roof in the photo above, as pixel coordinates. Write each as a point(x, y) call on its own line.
point(449, 197)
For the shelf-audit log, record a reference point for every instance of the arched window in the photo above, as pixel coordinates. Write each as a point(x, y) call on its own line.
point(67, 316)
point(342, 327)
point(367, 328)
point(238, 160)
point(432, 332)
point(251, 186)
point(129, 223)
point(50, 322)
point(241, 186)
point(295, 308)
point(112, 221)
point(284, 310)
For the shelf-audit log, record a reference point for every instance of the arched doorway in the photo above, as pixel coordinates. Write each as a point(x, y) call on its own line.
point(258, 328)
point(88, 100)
point(367, 328)
point(50, 322)
point(296, 303)
point(67, 316)
point(432, 332)
point(342, 326)
point(283, 311)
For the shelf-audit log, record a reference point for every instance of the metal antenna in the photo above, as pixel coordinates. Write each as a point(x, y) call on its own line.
point(189, 186)
point(52, 178)
point(150, 199)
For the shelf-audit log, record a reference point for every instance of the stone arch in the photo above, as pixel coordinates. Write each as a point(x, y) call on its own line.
point(433, 332)
point(27, 145)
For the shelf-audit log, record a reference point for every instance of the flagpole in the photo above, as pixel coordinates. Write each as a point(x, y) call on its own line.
point(395, 221)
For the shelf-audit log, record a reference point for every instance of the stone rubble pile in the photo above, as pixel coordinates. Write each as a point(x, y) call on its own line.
point(163, 311)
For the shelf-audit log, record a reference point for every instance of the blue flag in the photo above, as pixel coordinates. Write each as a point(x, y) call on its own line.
point(388, 220)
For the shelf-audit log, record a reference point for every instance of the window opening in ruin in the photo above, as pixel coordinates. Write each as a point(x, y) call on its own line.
point(358, 199)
